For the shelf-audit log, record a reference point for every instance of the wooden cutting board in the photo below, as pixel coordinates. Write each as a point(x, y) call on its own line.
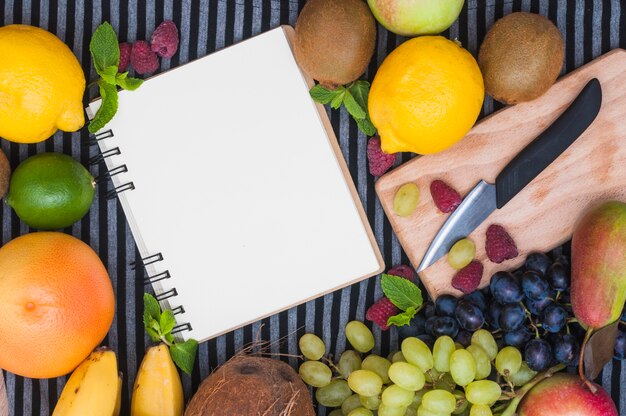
point(542, 215)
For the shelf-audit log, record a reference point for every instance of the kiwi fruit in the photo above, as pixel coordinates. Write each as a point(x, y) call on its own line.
point(334, 40)
point(5, 174)
point(521, 57)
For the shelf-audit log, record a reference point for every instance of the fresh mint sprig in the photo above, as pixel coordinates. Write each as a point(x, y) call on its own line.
point(405, 295)
point(159, 325)
point(353, 96)
point(105, 52)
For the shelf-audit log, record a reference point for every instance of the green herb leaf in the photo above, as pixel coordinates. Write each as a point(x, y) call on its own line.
point(322, 95)
point(151, 306)
point(104, 48)
point(107, 109)
point(184, 354)
point(109, 74)
point(353, 107)
point(401, 292)
point(338, 98)
point(167, 322)
point(130, 84)
point(154, 335)
point(169, 337)
point(403, 318)
point(366, 126)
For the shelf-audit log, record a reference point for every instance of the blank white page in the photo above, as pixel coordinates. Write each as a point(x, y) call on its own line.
point(238, 186)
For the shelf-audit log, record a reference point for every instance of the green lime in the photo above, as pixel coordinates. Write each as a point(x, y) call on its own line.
point(49, 191)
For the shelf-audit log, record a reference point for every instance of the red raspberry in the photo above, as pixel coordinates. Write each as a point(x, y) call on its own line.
point(499, 245)
point(446, 198)
point(468, 278)
point(143, 59)
point(402, 270)
point(165, 39)
point(379, 161)
point(381, 311)
point(125, 49)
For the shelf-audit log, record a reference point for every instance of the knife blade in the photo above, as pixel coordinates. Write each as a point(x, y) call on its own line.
point(485, 197)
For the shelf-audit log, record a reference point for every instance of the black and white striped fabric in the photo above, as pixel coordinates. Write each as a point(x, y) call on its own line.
point(590, 28)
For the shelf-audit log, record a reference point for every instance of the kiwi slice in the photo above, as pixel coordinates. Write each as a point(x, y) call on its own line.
point(521, 57)
point(335, 40)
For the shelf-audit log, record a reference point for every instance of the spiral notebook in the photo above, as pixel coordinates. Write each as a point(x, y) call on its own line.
point(235, 189)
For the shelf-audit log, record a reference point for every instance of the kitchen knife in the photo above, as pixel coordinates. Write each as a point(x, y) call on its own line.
point(485, 197)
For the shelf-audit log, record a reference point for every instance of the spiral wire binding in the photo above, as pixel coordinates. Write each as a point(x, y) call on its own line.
point(129, 186)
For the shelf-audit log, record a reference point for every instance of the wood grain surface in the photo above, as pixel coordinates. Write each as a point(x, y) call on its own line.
point(542, 216)
point(4, 403)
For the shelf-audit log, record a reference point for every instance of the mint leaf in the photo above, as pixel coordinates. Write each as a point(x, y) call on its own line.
point(109, 74)
point(169, 337)
point(104, 48)
point(151, 306)
point(107, 109)
point(154, 335)
point(338, 98)
point(321, 94)
point(130, 84)
point(167, 322)
point(184, 354)
point(401, 292)
point(353, 107)
point(366, 126)
point(403, 318)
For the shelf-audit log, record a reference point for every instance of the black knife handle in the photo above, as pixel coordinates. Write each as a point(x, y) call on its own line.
point(553, 141)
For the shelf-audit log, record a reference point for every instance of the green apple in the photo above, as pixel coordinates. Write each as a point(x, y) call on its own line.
point(416, 17)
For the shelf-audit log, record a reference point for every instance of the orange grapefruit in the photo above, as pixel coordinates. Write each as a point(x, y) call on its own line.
point(56, 304)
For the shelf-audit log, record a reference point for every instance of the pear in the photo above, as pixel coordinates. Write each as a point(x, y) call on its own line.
point(598, 290)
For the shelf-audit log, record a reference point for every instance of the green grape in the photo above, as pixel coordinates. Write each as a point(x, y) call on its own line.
point(360, 336)
point(349, 361)
point(398, 357)
point(333, 394)
point(461, 404)
point(508, 361)
point(377, 364)
point(370, 402)
point(361, 411)
point(445, 382)
point(416, 352)
point(432, 375)
point(422, 411)
point(439, 401)
point(315, 373)
point(336, 412)
point(483, 364)
point(350, 404)
point(396, 396)
point(417, 400)
point(484, 339)
point(406, 199)
point(462, 367)
point(458, 346)
point(462, 253)
point(365, 383)
point(407, 376)
point(384, 410)
point(410, 411)
point(523, 376)
point(480, 410)
point(484, 392)
point(442, 351)
point(312, 346)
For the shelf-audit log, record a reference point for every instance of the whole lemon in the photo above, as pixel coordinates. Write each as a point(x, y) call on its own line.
point(41, 85)
point(425, 96)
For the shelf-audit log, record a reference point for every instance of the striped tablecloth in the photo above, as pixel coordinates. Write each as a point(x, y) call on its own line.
point(590, 28)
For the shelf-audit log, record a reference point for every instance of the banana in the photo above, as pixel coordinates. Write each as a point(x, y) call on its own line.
point(93, 388)
point(158, 390)
point(118, 402)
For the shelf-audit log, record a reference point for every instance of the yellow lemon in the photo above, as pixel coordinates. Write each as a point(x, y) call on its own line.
point(425, 96)
point(41, 85)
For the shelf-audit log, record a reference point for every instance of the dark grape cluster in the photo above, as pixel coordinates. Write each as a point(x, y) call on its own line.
point(528, 309)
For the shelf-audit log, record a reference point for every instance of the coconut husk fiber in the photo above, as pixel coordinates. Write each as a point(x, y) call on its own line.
point(250, 386)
